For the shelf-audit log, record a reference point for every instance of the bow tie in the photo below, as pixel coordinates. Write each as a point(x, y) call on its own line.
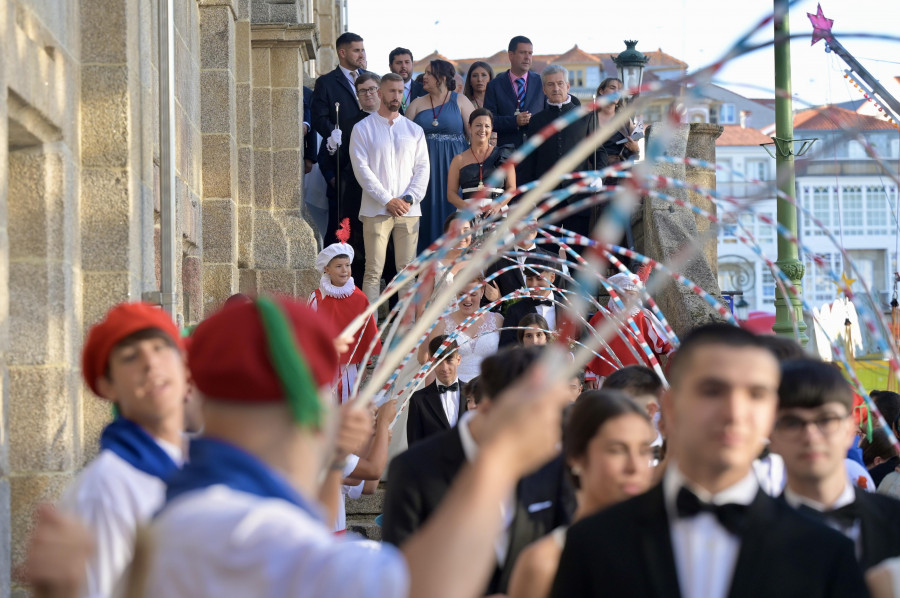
point(731, 516)
point(454, 387)
point(843, 517)
point(542, 302)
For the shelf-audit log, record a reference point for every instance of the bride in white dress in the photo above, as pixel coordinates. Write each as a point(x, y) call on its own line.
point(478, 341)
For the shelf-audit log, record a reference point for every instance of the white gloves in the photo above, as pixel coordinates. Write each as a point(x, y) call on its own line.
point(333, 142)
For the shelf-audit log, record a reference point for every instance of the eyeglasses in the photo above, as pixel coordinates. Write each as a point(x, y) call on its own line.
point(366, 91)
point(795, 426)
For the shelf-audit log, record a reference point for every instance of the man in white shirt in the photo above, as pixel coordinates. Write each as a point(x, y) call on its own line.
point(133, 359)
point(240, 519)
point(438, 406)
point(390, 160)
point(708, 531)
point(814, 429)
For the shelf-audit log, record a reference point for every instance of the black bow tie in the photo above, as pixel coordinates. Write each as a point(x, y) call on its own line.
point(454, 387)
point(546, 302)
point(731, 516)
point(844, 517)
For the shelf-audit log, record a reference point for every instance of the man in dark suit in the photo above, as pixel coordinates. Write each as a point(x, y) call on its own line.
point(309, 135)
point(514, 278)
point(400, 61)
point(438, 406)
point(708, 531)
point(516, 95)
point(540, 301)
point(814, 392)
point(419, 479)
point(337, 87)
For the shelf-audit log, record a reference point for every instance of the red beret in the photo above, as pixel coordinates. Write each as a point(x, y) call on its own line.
point(120, 322)
point(229, 353)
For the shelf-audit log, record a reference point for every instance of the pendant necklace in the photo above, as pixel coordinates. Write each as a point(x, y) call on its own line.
point(434, 122)
point(480, 165)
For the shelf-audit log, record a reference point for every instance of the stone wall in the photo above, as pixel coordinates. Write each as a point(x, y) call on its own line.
point(79, 198)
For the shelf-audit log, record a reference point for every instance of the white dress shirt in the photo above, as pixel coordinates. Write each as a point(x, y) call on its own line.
point(507, 507)
point(111, 498)
point(705, 552)
point(351, 77)
point(389, 160)
point(219, 542)
point(450, 403)
point(847, 496)
point(548, 312)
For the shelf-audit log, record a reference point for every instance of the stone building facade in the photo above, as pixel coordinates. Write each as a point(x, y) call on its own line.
point(79, 197)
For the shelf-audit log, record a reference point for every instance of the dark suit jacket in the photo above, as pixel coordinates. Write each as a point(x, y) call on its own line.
point(500, 99)
point(416, 90)
point(330, 88)
point(879, 527)
point(514, 314)
point(626, 551)
point(426, 415)
point(419, 478)
point(512, 279)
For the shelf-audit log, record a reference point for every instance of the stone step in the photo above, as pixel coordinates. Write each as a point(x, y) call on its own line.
point(366, 505)
point(364, 527)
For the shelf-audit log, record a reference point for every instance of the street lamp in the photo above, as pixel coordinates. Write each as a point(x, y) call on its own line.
point(630, 65)
point(742, 309)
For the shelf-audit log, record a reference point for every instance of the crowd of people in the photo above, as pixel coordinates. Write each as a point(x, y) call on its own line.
point(733, 465)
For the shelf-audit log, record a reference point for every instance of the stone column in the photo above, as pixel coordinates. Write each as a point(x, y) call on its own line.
point(218, 100)
point(701, 145)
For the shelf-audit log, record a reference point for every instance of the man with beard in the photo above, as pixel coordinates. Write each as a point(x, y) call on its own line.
point(390, 161)
point(400, 61)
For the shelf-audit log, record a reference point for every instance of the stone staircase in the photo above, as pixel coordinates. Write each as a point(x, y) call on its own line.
point(361, 514)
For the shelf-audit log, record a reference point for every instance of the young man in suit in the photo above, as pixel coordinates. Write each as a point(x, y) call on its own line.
point(438, 406)
point(814, 392)
point(708, 531)
point(513, 279)
point(419, 479)
point(337, 87)
point(400, 61)
point(516, 95)
point(541, 281)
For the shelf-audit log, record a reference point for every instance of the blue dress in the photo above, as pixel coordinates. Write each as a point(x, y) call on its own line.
point(445, 141)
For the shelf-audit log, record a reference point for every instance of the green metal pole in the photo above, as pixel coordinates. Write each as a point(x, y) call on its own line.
point(784, 172)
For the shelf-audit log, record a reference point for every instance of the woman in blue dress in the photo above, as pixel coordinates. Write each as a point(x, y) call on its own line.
point(443, 114)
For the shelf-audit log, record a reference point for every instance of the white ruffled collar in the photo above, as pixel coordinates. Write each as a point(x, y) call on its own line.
point(561, 104)
point(330, 290)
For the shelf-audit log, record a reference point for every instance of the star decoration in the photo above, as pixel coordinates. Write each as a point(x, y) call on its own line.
point(845, 284)
point(821, 26)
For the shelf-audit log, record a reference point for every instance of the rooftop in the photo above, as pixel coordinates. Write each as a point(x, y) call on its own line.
point(736, 135)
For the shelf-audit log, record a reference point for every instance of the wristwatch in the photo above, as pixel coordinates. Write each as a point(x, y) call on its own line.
point(407, 198)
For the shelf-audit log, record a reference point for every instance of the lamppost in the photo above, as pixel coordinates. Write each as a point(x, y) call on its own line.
point(742, 310)
point(630, 65)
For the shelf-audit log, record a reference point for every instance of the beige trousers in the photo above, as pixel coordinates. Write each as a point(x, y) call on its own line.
point(376, 232)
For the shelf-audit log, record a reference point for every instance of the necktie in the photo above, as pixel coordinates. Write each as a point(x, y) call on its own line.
point(546, 302)
point(731, 516)
point(454, 387)
point(844, 517)
point(520, 91)
point(353, 76)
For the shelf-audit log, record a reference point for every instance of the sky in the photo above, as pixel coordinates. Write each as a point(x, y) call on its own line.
point(698, 32)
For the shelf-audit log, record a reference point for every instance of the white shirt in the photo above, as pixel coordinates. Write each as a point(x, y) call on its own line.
point(111, 498)
point(507, 507)
point(389, 160)
point(220, 542)
point(450, 403)
point(705, 552)
point(847, 496)
point(351, 76)
point(548, 312)
point(340, 521)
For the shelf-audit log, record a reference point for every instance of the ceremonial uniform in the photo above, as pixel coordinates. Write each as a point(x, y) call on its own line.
point(341, 305)
point(625, 349)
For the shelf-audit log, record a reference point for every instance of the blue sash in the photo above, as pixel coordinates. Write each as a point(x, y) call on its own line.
point(214, 462)
point(137, 448)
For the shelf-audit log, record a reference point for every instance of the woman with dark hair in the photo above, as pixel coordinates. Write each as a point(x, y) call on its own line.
point(533, 330)
point(443, 114)
point(470, 169)
point(620, 146)
point(606, 441)
point(477, 79)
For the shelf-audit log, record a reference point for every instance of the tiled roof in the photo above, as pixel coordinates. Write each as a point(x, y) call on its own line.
point(419, 65)
point(576, 55)
point(657, 58)
point(829, 118)
point(734, 135)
